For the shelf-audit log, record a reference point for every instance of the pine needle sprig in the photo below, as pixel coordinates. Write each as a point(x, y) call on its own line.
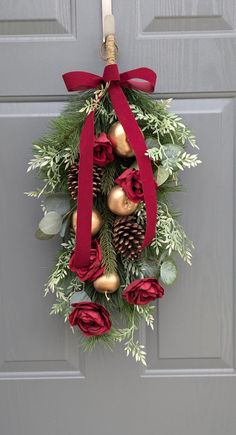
point(108, 251)
point(60, 270)
point(107, 181)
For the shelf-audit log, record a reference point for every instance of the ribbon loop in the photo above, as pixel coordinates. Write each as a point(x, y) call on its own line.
point(142, 79)
point(111, 73)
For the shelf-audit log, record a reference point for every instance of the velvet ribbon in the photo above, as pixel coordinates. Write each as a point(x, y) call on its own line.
point(142, 79)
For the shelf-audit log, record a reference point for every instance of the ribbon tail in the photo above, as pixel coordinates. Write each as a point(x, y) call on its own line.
point(85, 194)
point(136, 140)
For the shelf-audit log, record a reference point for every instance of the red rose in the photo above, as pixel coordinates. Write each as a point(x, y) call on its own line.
point(130, 181)
point(143, 291)
point(91, 318)
point(94, 269)
point(102, 150)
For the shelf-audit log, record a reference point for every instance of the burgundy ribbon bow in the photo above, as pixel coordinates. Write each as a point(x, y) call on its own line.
point(78, 81)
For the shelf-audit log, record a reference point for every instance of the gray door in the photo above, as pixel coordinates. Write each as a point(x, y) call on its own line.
point(47, 385)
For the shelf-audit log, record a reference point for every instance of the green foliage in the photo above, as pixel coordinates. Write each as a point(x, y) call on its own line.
point(61, 307)
point(145, 312)
point(170, 236)
point(162, 175)
point(173, 157)
point(133, 270)
point(162, 124)
point(51, 223)
point(60, 270)
point(108, 251)
point(168, 272)
point(108, 178)
point(58, 202)
point(56, 150)
point(127, 335)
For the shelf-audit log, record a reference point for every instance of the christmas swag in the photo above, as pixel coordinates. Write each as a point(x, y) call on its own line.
point(110, 158)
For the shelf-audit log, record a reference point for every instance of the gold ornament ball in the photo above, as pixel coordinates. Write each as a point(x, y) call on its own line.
point(119, 141)
point(96, 221)
point(107, 283)
point(119, 203)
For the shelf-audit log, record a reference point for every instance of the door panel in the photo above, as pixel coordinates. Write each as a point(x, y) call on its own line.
point(48, 385)
point(200, 305)
point(27, 331)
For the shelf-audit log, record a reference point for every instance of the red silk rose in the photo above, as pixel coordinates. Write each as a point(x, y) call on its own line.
point(102, 150)
point(91, 318)
point(143, 291)
point(130, 181)
point(94, 269)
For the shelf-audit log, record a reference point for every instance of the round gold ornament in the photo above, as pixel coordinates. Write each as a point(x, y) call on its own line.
point(107, 283)
point(96, 221)
point(119, 140)
point(119, 203)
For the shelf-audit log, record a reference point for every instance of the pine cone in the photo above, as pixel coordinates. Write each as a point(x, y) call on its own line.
point(128, 236)
point(72, 180)
point(97, 179)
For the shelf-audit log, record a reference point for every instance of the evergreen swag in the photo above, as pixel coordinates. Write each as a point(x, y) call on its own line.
point(54, 153)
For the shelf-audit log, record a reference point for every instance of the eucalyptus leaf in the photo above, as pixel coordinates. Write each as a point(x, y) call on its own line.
point(172, 152)
point(168, 272)
point(149, 268)
point(79, 297)
point(51, 223)
point(59, 202)
point(42, 236)
point(65, 226)
point(162, 175)
point(151, 142)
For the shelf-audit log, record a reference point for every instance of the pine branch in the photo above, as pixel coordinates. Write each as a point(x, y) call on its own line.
point(107, 181)
point(60, 271)
point(108, 251)
point(57, 149)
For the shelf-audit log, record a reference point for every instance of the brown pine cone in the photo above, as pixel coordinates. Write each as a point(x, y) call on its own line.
point(97, 179)
point(128, 236)
point(72, 180)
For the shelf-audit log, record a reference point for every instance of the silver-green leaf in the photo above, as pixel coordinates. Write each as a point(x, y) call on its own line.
point(162, 175)
point(59, 202)
point(172, 152)
point(168, 272)
point(42, 236)
point(51, 223)
point(79, 297)
point(65, 226)
point(149, 268)
point(151, 142)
